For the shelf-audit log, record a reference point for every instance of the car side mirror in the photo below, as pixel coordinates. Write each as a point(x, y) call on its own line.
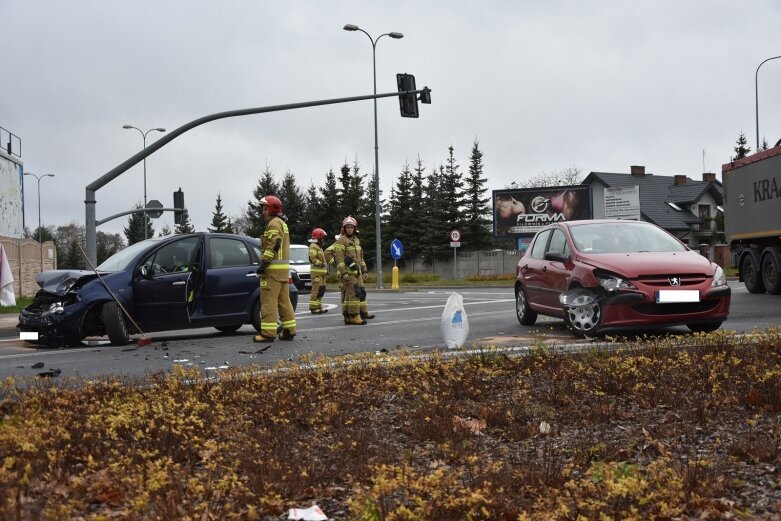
point(145, 273)
point(556, 256)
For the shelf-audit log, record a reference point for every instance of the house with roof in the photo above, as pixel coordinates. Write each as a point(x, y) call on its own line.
point(687, 208)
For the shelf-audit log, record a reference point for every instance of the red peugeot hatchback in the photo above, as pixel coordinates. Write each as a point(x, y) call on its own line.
point(601, 275)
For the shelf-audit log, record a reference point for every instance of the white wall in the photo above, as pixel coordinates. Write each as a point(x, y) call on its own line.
point(11, 196)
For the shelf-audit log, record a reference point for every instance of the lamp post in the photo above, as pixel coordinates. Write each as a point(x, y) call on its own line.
point(143, 136)
point(756, 96)
point(40, 230)
point(377, 232)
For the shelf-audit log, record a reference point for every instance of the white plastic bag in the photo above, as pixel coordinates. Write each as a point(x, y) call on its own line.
point(454, 325)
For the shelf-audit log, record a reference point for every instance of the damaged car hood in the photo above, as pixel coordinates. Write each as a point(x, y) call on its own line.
point(59, 282)
point(632, 265)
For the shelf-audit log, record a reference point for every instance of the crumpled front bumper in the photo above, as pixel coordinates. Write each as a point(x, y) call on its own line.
point(54, 329)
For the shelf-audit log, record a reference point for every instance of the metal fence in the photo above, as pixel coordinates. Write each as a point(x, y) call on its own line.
point(11, 143)
point(466, 264)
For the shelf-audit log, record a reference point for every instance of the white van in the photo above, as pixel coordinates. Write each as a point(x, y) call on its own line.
point(300, 268)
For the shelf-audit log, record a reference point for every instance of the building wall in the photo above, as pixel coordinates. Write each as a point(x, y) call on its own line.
point(24, 257)
point(11, 196)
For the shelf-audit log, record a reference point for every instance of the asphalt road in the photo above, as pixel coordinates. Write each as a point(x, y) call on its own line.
point(404, 320)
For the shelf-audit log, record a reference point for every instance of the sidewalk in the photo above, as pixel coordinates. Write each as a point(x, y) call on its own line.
point(8, 323)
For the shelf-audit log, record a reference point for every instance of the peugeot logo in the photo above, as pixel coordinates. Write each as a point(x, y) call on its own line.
point(674, 281)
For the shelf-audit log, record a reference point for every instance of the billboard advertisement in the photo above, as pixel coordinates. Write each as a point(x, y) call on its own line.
point(524, 211)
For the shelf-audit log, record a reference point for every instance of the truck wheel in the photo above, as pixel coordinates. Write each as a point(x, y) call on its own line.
point(749, 269)
point(771, 271)
point(115, 325)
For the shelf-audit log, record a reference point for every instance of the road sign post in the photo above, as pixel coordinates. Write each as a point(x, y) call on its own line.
point(152, 209)
point(396, 250)
point(455, 238)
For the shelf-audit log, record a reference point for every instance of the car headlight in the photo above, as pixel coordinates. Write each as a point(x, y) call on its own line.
point(57, 307)
point(613, 282)
point(719, 279)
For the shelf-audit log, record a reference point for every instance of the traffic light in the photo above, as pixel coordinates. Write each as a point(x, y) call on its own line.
point(179, 204)
point(407, 102)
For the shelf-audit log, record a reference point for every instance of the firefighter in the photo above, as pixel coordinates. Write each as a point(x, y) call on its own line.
point(274, 271)
point(319, 271)
point(352, 272)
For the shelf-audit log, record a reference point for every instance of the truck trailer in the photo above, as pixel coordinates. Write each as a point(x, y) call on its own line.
point(752, 218)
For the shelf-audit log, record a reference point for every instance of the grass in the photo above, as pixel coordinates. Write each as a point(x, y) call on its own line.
point(21, 303)
point(664, 428)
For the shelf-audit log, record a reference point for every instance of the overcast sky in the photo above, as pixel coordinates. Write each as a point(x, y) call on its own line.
point(543, 85)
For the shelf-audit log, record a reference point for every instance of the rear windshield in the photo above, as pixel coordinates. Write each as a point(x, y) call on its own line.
point(299, 255)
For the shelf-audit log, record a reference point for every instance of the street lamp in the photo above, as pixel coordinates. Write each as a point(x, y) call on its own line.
point(756, 96)
point(143, 136)
point(377, 232)
point(40, 230)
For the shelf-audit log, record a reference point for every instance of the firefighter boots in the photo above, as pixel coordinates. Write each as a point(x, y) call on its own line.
point(354, 320)
point(366, 315)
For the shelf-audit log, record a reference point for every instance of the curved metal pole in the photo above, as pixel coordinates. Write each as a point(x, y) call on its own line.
point(89, 196)
point(756, 96)
point(40, 230)
point(143, 137)
point(377, 209)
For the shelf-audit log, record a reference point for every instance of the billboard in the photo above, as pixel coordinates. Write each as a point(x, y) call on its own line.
point(523, 211)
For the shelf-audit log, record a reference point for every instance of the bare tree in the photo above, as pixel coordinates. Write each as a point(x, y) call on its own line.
point(568, 176)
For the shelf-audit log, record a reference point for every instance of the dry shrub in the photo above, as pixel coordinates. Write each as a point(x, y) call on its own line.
point(666, 427)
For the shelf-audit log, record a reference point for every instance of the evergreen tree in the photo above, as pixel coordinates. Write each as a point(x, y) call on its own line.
point(185, 226)
point(452, 192)
point(351, 191)
point(64, 237)
point(293, 208)
point(403, 211)
point(106, 246)
point(165, 231)
point(44, 234)
point(74, 259)
point(367, 224)
point(134, 231)
point(477, 223)
point(329, 216)
point(266, 186)
point(764, 146)
point(312, 209)
point(435, 226)
point(220, 222)
point(741, 150)
point(417, 212)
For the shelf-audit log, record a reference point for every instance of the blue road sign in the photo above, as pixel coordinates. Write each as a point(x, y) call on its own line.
point(396, 249)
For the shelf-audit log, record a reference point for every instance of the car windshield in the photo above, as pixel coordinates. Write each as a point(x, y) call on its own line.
point(299, 255)
point(623, 237)
point(120, 260)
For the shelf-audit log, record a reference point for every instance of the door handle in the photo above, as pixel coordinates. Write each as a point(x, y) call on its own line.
point(251, 275)
point(544, 268)
point(178, 283)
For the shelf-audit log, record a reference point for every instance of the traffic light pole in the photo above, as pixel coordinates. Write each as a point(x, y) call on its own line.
point(89, 199)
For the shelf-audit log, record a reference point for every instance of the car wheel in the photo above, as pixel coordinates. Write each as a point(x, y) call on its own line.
point(752, 277)
point(584, 316)
point(115, 325)
point(228, 329)
point(705, 327)
point(771, 271)
point(526, 316)
point(256, 316)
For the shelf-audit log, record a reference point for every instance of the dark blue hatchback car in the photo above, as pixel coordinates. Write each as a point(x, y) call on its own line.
point(166, 283)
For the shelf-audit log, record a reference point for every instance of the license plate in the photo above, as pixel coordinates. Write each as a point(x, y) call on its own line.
point(667, 296)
